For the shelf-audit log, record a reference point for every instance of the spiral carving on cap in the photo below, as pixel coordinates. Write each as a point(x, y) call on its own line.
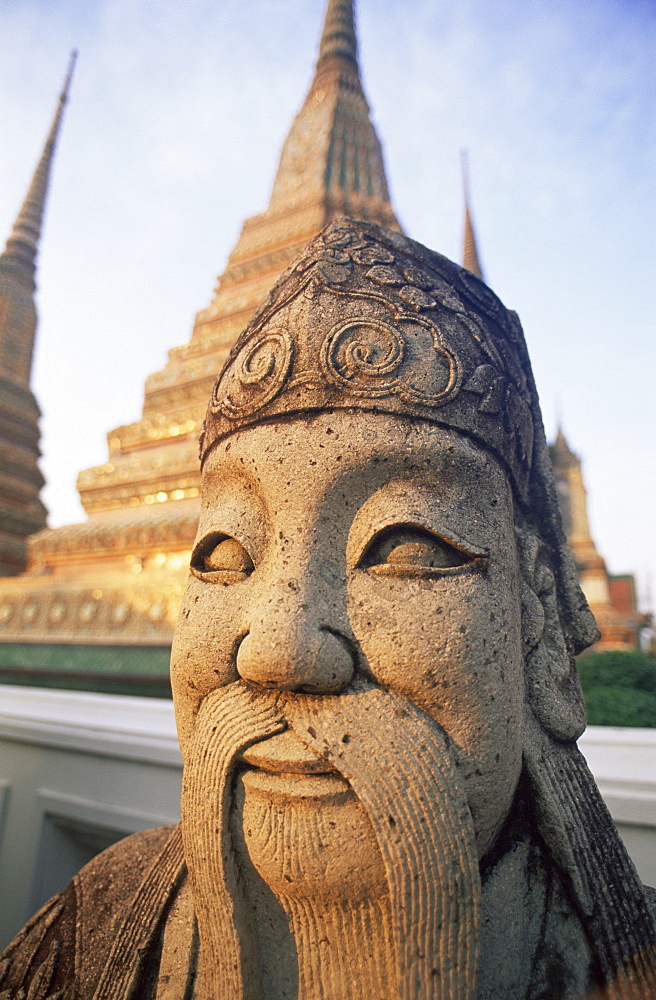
point(369, 357)
point(257, 376)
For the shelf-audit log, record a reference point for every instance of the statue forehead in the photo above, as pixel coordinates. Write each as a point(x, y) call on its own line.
point(354, 455)
point(364, 320)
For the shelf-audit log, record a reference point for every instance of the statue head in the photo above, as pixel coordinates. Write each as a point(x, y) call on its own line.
point(379, 631)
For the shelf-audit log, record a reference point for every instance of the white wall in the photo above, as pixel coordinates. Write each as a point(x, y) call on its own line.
point(78, 771)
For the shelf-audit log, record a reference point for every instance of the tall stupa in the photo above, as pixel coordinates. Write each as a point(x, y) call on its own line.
point(21, 509)
point(115, 581)
point(612, 598)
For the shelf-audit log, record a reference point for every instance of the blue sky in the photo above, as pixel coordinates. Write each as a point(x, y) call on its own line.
point(177, 116)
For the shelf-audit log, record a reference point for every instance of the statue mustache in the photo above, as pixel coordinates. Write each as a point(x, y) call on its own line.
point(400, 766)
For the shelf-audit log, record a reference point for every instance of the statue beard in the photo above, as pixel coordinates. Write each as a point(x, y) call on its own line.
point(370, 888)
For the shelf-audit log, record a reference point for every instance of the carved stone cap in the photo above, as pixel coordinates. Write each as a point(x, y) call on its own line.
point(366, 318)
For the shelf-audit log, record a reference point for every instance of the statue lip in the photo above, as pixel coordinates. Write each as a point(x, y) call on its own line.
point(285, 753)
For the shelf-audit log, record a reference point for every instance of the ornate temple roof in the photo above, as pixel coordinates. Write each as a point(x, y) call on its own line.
point(331, 164)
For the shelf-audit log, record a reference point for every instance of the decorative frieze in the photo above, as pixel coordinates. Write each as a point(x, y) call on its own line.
point(114, 614)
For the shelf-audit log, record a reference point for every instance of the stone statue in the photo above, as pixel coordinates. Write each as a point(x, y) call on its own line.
point(374, 682)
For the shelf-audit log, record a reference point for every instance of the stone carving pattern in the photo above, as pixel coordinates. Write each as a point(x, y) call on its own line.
point(368, 357)
point(265, 366)
point(359, 354)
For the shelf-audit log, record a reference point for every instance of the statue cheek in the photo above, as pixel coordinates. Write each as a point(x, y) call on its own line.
point(397, 626)
point(453, 647)
point(203, 655)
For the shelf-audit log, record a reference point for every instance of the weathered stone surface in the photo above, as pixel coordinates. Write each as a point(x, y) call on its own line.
point(374, 682)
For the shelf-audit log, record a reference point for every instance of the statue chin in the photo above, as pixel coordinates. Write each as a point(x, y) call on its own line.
point(315, 886)
point(309, 837)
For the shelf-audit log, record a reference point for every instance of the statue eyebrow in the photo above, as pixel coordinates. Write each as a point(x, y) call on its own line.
point(237, 514)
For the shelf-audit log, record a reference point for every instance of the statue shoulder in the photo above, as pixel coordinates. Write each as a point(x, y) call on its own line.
point(40, 959)
point(65, 950)
point(111, 879)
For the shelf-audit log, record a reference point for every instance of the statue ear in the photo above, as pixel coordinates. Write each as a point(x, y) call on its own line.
point(553, 689)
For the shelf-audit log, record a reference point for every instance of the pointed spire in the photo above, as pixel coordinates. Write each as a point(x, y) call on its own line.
point(332, 160)
point(560, 446)
point(560, 441)
point(22, 246)
point(470, 258)
point(338, 39)
point(21, 509)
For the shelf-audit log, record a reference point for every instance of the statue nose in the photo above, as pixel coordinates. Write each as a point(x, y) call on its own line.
point(295, 655)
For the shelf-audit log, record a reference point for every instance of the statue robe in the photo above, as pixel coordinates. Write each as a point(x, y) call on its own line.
point(124, 929)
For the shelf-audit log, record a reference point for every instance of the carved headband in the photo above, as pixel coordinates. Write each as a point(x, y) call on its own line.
point(366, 318)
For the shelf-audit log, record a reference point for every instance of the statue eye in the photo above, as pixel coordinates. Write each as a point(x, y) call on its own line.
point(221, 559)
point(408, 551)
